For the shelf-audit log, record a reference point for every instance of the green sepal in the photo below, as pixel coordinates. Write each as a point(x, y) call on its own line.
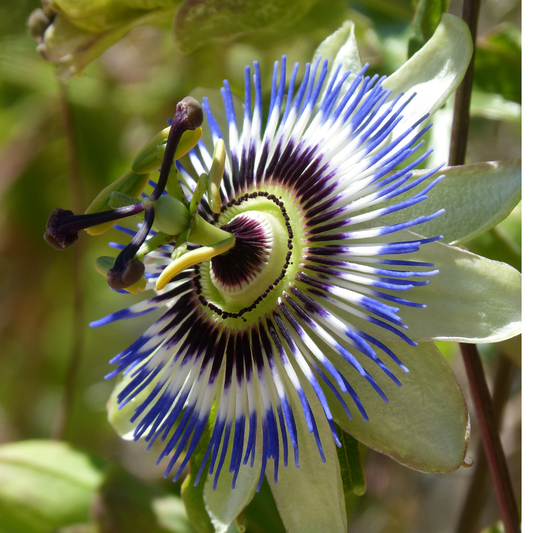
point(310, 498)
point(131, 184)
point(424, 425)
point(148, 158)
point(171, 216)
point(434, 72)
point(475, 198)
point(193, 496)
point(352, 473)
point(340, 48)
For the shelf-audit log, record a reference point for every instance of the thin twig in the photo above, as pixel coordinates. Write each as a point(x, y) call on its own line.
point(476, 378)
point(65, 408)
point(463, 95)
point(491, 439)
point(479, 488)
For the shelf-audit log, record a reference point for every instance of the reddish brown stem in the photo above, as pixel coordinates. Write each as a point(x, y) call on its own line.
point(491, 438)
point(476, 377)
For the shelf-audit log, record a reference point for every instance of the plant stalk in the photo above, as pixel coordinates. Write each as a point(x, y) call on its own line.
point(479, 488)
point(476, 377)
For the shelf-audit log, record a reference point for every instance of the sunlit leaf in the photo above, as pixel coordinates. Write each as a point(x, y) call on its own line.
point(199, 21)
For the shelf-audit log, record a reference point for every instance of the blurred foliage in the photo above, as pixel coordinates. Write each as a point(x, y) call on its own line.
point(124, 98)
point(425, 22)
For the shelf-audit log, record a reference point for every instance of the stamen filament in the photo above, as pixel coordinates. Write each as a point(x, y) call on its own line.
point(215, 176)
point(192, 258)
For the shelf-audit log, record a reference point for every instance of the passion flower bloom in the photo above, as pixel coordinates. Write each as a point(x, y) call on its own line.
point(292, 293)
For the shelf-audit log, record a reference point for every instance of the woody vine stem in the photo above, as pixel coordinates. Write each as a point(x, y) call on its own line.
point(474, 369)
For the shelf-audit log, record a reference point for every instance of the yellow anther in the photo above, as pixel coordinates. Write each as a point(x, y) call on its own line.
point(148, 159)
point(192, 258)
point(138, 286)
point(215, 176)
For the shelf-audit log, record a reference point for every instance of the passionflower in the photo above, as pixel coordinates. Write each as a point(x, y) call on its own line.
point(293, 295)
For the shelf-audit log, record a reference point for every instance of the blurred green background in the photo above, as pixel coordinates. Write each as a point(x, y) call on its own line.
point(48, 298)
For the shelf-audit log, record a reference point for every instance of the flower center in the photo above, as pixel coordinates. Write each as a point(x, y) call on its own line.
point(234, 271)
point(235, 283)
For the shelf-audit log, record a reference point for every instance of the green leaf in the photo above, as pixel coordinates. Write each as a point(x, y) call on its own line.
point(310, 499)
point(427, 17)
point(352, 473)
point(471, 299)
point(103, 15)
point(475, 199)
point(45, 485)
point(340, 48)
point(435, 71)
point(73, 47)
point(200, 21)
point(126, 503)
point(424, 425)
